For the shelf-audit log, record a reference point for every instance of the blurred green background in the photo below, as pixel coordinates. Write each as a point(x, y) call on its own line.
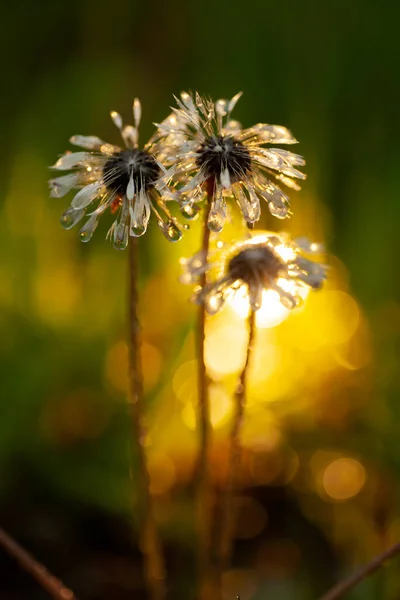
point(322, 461)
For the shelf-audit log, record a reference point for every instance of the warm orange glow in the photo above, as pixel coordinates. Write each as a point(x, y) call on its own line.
point(271, 313)
point(116, 367)
point(225, 349)
point(162, 473)
point(343, 478)
point(184, 382)
point(265, 468)
point(57, 293)
point(336, 317)
point(220, 408)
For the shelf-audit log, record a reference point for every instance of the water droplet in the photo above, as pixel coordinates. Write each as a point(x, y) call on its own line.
point(138, 230)
point(215, 224)
point(71, 217)
point(280, 211)
point(120, 244)
point(85, 235)
point(170, 230)
point(214, 302)
point(121, 237)
point(87, 231)
point(287, 300)
point(217, 217)
point(186, 227)
point(190, 211)
point(255, 304)
point(256, 211)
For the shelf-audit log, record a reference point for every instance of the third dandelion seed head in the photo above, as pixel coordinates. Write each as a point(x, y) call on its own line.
point(265, 262)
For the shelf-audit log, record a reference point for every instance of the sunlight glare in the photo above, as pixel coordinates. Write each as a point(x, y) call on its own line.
point(271, 313)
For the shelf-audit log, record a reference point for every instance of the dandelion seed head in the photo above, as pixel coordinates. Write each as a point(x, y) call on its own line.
point(200, 142)
point(255, 264)
point(131, 163)
point(265, 262)
point(129, 183)
point(218, 153)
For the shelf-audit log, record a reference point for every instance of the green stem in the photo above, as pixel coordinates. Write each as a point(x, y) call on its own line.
point(227, 530)
point(341, 588)
point(48, 582)
point(149, 538)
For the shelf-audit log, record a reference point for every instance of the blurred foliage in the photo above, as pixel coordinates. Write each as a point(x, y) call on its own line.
point(322, 462)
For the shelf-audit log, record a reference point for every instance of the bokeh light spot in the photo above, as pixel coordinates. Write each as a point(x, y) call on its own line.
point(184, 381)
point(271, 313)
point(116, 367)
point(220, 408)
point(343, 478)
point(225, 349)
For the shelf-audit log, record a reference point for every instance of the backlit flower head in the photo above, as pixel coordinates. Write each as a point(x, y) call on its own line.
point(266, 262)
point(128, 182)
point(202, 143)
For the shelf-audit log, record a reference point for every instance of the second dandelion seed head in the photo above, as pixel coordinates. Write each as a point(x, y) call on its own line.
point(223, 158)
point(211, 155)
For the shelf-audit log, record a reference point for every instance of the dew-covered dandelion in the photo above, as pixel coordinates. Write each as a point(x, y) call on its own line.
point(128, 182)
point(265, 262)
point(201, 143)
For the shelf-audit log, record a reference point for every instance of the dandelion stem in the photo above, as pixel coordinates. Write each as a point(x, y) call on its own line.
point(149, 539)
point(204, 499)
point(227, 513)
point(49, 582)
point(341, 588)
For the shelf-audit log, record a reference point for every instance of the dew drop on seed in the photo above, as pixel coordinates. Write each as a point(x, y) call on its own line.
point(214, 302)
point(120, 244)
point(215, 224)
point(138, 230)
point(171, 231)
point(190, 211)
point(121, 238)
point(85, 235)
point(70, 217)
point(66, 221)
point(278, 211)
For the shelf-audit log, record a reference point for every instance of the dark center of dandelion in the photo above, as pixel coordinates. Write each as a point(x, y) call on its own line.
point(218, 153)
point(123, 165)
point(255, 265)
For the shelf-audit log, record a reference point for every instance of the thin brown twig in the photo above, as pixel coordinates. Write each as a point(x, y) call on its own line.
point(228, 513)
point(149, 538)
point(48, 582)
point(341, 588)
point(204, 499)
